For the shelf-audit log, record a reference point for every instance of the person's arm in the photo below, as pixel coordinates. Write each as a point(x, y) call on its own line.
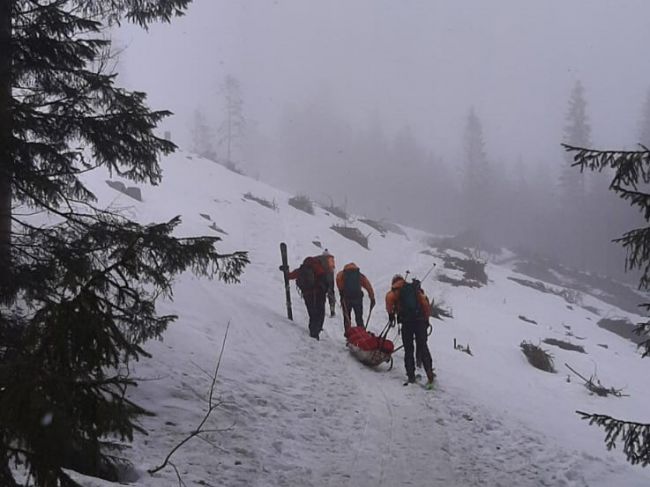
point(425, 306)
point(390, 306)
point(293, 274)
point(365, 283)
point(339, 281)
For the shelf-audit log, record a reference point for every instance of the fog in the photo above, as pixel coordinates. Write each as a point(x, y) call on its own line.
point(367, 103)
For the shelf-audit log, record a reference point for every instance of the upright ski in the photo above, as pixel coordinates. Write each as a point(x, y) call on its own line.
point(285, 270)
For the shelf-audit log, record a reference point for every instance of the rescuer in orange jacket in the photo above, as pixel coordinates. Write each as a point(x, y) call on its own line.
point(350, 283)
point(407, 304)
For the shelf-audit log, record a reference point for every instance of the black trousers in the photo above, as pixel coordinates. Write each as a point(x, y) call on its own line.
point(415, 330)
point(315, 303)
point(349, 305)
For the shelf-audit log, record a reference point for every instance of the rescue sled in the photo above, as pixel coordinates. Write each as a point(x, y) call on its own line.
point(369, 348)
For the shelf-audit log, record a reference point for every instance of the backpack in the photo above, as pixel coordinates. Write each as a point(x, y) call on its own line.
point(327, 263)
point(352, 283)
point(409, 306)
point(306, 280)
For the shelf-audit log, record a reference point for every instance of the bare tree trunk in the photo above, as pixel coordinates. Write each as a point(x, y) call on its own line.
point(229, 128)
point(5, 144)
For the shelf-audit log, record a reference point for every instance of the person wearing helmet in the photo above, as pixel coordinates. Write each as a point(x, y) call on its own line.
point(406, 303)
point(329, 265)
point(350, 283)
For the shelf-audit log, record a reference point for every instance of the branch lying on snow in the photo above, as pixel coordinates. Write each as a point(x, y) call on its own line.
point(462, 348)
point(200, 428)
point(594, 385)
point(439, 311)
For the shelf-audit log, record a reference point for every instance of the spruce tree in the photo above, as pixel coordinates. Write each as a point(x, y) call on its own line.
point(231, 130)
point(476, 177)
point(577, 132)
point(78, 284)
point(630, 181)
point(644, 124)
point(202, 137)
point(574, 216)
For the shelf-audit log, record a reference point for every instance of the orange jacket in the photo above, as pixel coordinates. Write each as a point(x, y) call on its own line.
point(365, 283)
point(315, 264)
point(329, 260)
point(392, 300)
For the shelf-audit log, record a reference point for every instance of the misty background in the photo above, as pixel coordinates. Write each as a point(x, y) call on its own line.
point(446, 115)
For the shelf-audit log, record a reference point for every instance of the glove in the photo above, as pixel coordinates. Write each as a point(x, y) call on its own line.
point(391, 320)
point(372, 302)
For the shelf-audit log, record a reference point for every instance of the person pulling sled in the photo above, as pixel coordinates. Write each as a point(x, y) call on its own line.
point(406, 303)
point(350, 283)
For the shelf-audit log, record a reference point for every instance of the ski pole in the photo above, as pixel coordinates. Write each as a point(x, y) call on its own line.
point(346, 317)
point(428, 272)
point(369, 313)
point(383, 335)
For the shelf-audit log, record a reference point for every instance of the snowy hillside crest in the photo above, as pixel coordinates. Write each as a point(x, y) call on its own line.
point(287, 410)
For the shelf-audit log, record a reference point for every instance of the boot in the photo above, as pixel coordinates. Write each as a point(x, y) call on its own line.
point(430, 376)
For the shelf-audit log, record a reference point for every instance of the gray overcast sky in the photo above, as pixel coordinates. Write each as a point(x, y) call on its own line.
point(416, 62)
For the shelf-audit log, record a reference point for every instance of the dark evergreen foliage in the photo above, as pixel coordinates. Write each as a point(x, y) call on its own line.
point(537, 356)
point(635, 436)
point(631, 176)
point(79, 294)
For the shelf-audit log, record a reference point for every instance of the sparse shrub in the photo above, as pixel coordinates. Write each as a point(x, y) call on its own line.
point(231, 166)
point(393, 227)
point(527, 320)
point(302, 202)
point(473, 272)
point(458, 282)
point(352, 233)
point(473, 269)
point(537, 356)
point(439, 310)
point(564, 345)
point(569, 295)
point(464, 242)
point(337, 211)
point(261, 201)
point(374, 224)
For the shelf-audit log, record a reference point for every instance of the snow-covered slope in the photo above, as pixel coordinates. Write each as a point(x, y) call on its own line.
point(298, 412)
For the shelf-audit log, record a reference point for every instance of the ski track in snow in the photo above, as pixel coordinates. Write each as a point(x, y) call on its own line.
point(327, 420)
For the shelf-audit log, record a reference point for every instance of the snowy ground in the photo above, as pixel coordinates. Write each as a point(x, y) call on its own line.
point(297, 412)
